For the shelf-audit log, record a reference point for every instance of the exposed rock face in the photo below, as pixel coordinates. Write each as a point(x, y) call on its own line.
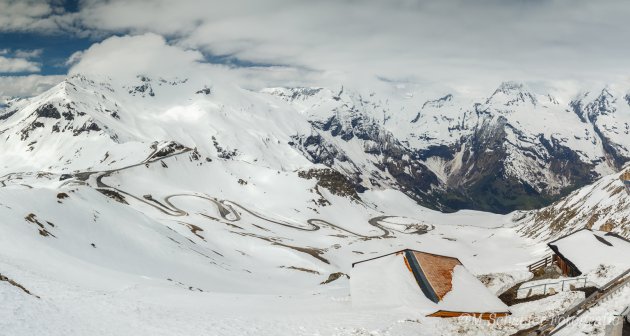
point(144, 89)
point(392, 162)
point(333, 181)
point(48, 111)
point(317, 150)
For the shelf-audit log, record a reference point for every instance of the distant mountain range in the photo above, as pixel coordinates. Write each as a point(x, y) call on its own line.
point(514, 149)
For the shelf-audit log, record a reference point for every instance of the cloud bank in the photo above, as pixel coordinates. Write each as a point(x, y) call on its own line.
point(430, 42)
point(128, 56)
point(398, 39)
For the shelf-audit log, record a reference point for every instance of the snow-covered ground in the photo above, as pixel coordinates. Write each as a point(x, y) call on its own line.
point(103, 267)
point(549, 286)
point(257, 270)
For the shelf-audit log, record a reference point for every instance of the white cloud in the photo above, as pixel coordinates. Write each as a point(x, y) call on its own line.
point(15, 65)
point(32, 15)
point(26, 86)
point(128, 56)
point(33, 53)
point(149, 54)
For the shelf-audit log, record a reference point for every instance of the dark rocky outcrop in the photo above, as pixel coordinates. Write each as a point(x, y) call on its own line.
point(48, 111)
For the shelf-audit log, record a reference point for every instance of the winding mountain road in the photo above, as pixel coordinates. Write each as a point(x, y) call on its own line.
point(228, 209)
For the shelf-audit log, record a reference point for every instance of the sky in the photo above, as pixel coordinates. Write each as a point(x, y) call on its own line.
point(471, 45)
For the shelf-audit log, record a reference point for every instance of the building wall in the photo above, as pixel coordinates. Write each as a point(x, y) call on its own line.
point(564, 266)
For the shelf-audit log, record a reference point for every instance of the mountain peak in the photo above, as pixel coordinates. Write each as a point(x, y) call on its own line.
point(437, 103)
point(510, 87)
point(512, 93)
point(294, 93)
point(606, 95)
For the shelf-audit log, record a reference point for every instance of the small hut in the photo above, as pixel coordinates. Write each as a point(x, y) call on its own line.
point(585, 250)
point(430, 284)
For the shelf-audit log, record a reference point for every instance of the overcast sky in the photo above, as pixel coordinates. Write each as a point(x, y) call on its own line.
point(294, 42)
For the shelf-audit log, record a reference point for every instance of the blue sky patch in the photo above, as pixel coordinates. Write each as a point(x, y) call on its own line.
point(56, 49)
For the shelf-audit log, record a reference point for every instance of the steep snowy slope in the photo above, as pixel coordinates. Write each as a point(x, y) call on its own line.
point(604, 205)
point(86, 123)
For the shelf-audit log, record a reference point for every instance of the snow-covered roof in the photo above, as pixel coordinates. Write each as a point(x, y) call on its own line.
point(393, 281)
point(587, 250)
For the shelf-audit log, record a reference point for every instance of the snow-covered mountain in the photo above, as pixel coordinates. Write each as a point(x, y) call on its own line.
point(515, 149)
